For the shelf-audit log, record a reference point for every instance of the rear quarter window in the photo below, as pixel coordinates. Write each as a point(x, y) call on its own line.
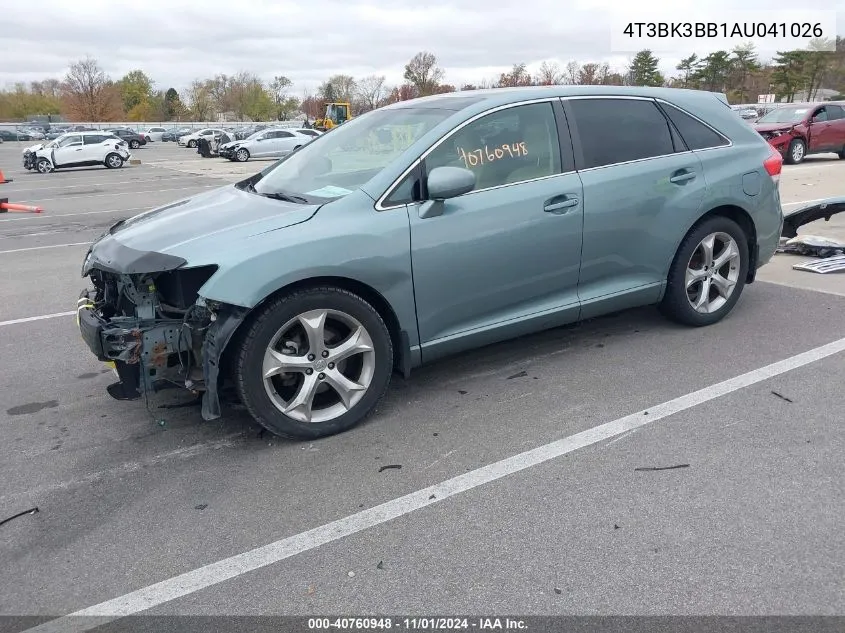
point(696, 134)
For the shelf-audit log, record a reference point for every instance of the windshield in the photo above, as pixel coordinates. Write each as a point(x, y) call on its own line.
point(254, 135)
point(784, 115)
point(342, 160)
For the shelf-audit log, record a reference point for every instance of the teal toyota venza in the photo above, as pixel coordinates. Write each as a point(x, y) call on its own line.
point(429, 227)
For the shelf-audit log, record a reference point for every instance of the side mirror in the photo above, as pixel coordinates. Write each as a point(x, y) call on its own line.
point(449, 182)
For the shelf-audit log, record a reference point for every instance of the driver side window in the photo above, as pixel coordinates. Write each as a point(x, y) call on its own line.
point(820, 115)
point(505, 147)
point(70, 141)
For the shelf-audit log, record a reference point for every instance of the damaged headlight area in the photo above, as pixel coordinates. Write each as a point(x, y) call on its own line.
point(156, 331)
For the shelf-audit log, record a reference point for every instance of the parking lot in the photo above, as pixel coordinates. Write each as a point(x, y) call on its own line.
point(132, 494)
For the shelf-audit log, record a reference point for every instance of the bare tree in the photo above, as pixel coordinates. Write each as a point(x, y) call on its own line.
point(371, 91)
point(89, 94)
point(573, 69)
point(518, 76)
point(549, 74)
point(199, 100)
point(423, 73)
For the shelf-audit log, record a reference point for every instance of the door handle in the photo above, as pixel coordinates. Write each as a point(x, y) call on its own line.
point(558, 208)
point(682, 176)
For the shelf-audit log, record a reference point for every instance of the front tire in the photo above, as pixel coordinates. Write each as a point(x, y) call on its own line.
point(797, 152)
point(708, 273)
point(44, 166)
point(314, 363)
point(192, 144)
point(114, 161)
point(242, 155)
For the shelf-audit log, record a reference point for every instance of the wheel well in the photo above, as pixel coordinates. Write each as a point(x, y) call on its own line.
point(741, 217)
point(369, 294)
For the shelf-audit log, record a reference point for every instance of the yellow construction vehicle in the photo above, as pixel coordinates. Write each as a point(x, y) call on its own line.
point(336, 113)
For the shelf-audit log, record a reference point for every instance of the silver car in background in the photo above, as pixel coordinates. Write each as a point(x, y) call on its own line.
point(269, 143)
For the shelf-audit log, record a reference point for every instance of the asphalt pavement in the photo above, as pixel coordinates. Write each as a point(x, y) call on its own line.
point(505, 494)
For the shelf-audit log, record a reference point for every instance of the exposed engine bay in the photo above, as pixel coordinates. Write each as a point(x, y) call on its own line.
point(157, 332)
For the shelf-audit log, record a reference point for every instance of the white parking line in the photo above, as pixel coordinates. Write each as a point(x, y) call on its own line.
point(39, 216)
point(93, 184)
point(802, 202)
point(38, 318)
point(240, 564)
point(120, 193)
point(38, 248)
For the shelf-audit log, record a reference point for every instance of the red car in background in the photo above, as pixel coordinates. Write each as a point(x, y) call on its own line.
point(800, 129)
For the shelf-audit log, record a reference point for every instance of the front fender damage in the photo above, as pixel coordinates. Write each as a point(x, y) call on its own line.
point(226, 320)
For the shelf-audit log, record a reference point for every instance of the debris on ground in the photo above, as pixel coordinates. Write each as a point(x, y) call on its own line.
point(351, 574)
point(462, 392)
point(835, 264)
point(823, 209)
point(380, 565)
point(432, 497)
point(20, 514)
point(201, 506)
point(615, 526)
point(812, 246)
point(662, 467)
point(558, 590)
point(521, 374)
point(389, 466)
point(781, 396)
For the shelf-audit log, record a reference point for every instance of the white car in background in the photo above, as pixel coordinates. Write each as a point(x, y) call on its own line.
point(190, 140)
point(77, 149)
point(155, 134)
point(269, 143)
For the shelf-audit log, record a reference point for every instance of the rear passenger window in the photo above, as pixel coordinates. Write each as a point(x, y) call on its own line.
point(695, 134)
point(92, 139)
point(620, 130)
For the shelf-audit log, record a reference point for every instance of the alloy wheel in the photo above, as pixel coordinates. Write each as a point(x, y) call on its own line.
point(242, 155)
point(712, 272)
point(797, 152)
point(115, 161)
point(319, 365)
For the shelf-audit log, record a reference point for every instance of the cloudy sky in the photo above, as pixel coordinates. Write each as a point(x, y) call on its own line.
point(175, 41)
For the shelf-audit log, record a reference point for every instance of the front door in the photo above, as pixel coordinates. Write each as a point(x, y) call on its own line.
point(503, 259)
point(69, 152)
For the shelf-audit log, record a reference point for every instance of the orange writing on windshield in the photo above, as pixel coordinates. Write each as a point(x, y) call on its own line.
point(488, 155)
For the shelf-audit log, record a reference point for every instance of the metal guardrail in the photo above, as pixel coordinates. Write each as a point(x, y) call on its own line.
point(144, 126)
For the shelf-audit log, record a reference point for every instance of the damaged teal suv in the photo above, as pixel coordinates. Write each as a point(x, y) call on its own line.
point(429, 227)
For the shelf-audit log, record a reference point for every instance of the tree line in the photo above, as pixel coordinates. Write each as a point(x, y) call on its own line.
point(87, 93)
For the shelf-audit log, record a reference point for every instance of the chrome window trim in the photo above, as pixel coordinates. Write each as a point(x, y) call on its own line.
point(653, 100)
point(379, 206)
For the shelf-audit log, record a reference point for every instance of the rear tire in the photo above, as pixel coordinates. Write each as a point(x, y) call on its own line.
point(797, 152)
point(285, 333)
point(192, 144)
point(842, 154)
point(708, 273)
point(134, 144)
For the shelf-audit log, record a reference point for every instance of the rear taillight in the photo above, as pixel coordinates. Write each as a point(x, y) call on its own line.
point(773, 164)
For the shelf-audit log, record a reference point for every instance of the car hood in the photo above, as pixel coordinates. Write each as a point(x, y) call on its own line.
point(32, 148)
point(230, 144)
point(192, 231)
point(773, 127)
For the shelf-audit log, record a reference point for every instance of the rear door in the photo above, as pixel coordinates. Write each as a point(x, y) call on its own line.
point(835, 129)
point(642, 189)
point(93, 149)
point(503, 259)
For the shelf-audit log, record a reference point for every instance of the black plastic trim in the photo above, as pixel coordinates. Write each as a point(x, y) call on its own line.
point(112, 256)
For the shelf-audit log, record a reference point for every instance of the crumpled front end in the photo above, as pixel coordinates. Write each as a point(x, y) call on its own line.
point(155, 330)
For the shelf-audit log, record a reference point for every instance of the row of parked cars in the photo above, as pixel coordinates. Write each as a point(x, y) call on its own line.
point(264, 142)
